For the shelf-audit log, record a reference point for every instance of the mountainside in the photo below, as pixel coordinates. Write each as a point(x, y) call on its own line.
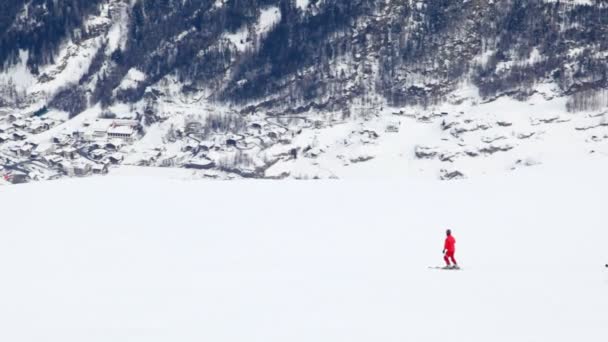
point(244, 78)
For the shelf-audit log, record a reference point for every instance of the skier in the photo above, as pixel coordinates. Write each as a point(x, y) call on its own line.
point(449, 248)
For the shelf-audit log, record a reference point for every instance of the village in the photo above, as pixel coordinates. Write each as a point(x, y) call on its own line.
point(35, 147)
point(84, 151)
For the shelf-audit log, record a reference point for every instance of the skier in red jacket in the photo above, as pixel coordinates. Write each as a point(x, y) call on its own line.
point(449, 248)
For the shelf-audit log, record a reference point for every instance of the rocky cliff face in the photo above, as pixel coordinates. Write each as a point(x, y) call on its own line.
point(296, 57)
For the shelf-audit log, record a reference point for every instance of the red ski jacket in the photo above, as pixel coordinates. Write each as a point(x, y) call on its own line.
point(450, 244)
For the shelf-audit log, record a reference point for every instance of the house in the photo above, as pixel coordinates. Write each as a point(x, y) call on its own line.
point(256, 127)
point(13, 117)
point(70, 152)
point(45, 148)
point(114, 145)
point(124, 130)
point(169, 161)
point(17, 177)
point(148, 157)
point(14, 149)
point(26, 150)
point(193, 127)
point(265, 140)
point(67, 167)
point(126, 133)
point(94, 146)
point(231, 142)
point(200, 164)
point(19, 136)
point(190, 147)
point(4, 138)
point(61, 139)
point(53, 159)
point(111, 146)
point(392, 127)
point(39, 127)
point(98, 134)
point(206, 145)
point(5, 128)
point(125, 122)
point(20, 124)
point(82, 168)
point(99, 169)
point(145, 162)
point(98, 154)
point(115, 158)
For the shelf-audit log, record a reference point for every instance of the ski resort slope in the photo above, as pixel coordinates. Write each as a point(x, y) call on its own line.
point(152, 259)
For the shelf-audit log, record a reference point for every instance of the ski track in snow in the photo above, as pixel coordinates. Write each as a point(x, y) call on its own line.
point(122, 258)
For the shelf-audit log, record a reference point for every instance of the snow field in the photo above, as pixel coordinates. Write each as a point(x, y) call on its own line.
point(150, 259)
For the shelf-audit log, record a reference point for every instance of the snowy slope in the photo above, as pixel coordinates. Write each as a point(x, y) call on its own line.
point(466, 135)
point(151, 259)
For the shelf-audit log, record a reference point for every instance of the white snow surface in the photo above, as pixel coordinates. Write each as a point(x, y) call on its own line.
point(132, 79)
point(18, 74)
point(269, 18)
point(302, 4)
point(117, 35)
point(122, 258)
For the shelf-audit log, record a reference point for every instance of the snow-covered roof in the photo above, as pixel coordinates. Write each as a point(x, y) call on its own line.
point(116, 142)
point(121, 130)
point(44, 147)
point(98, 152)
point(100, 126)
point(116, 156)
point(55, 158)
point(5, 127)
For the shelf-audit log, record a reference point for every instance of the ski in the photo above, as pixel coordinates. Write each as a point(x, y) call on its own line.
point(457, 268)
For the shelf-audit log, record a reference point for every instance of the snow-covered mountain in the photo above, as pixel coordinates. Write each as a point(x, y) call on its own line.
point(302, 89)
